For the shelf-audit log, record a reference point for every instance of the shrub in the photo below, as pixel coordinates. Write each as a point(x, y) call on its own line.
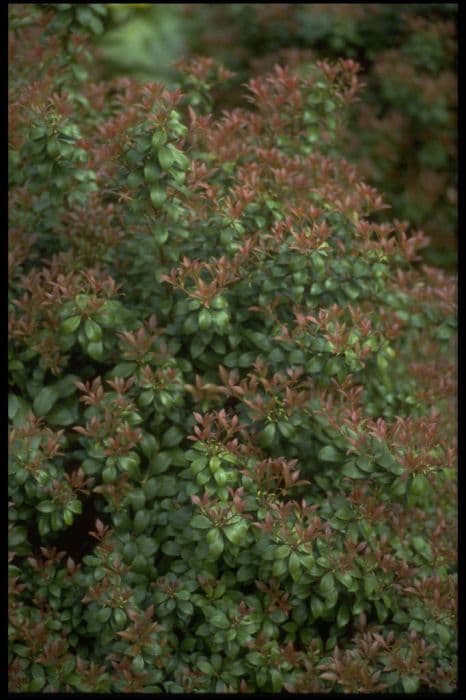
point(403, 135)
point(232, 390)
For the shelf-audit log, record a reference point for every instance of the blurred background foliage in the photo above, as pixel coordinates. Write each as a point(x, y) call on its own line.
point(402, 132)
point(143, 41)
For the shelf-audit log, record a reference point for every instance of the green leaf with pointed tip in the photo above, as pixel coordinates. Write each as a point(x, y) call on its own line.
point(92, 330)
point(317, 606)
point(205, 667)
point(365, 464)
point(294, 566)
point(45, 400)
point(267, 436)
point(343, 615)
point(345, 578)
point(215, 543)
point(286, 429)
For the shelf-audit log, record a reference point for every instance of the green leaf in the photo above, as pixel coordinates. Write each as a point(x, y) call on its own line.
point(35, 685)
point(231, 360)
point(95, 350)
point(343, 615)
point(198, 465)
point(75, 507)
point(237, 533)
point(422, 547)
point(215, 543)
point(173, 436)
point(148, 445)
point(171, 548)
point(17, 536)
point(370, 584)
point(282, 551)
point(18, 409)
point(205, 667)
point(129, 552)
point(220, 620)
point(332, 366)
point(70, 325)
point(45, 400)
point(197, 346)
point(221, 477)
point(137, 499)
point(327, 584)
point(160, 462)
point(204, 319)
point(68, 517)
point(109, 474)
point(329, 454)
point(159, 138)
point(103, 615)
point(317, 606)
point(410, 684)
point(307, 561)
point(92, 330)
point(245, 573)
point(120, 617)
point(200, 522)
point(168, 486)
point(269, 553)
point(381, 611)
point(366, 464)
point(345, 578)
point(146, 398)
point(350, 469)
point(255, 659)
point(46, 507)
point(185, 607)
point(286, 429)
point(214, 463)
point(203, 477)
point(141, 521)
point(294, 567)
point(279, 568)
point(60, 415)
point(123, 369)
point(157, 196)
point(267, 436)
point(166, 157)
point(276, 679)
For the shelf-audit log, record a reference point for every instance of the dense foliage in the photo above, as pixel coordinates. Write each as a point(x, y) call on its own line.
point(403, 134)
point(232, 389)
